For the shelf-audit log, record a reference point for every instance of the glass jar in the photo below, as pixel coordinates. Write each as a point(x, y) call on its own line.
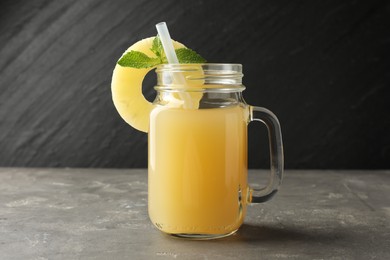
point(197, 142)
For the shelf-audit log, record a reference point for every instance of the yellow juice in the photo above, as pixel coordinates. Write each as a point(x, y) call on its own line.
point(197, 169)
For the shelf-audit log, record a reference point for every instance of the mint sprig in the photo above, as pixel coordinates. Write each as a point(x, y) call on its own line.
point(185, 55)
point(137, 59)
point(157, 47)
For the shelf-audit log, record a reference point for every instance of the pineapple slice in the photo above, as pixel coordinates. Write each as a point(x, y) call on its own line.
point(126, 88)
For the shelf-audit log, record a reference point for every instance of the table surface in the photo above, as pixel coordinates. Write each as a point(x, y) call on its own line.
point(102, 214)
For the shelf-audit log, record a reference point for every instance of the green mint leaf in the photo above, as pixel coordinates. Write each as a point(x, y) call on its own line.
point(137, 59)
point(185, 55)
point(157, 47)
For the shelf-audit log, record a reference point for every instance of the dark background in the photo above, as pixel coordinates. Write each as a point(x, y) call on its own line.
point(321, 66)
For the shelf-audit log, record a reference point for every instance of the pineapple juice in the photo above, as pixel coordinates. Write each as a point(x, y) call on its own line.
point(197, 169)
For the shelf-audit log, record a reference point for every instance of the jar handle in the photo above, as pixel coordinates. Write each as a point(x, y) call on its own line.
point(276, 154)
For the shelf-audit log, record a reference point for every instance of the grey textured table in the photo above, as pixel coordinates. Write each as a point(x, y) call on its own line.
point(102, 214)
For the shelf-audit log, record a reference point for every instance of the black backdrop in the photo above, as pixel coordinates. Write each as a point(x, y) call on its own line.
point(321, 66)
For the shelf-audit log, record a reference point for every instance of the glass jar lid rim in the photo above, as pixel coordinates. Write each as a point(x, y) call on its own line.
point(236, 67)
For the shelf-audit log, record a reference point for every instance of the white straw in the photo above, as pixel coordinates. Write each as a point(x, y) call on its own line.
point(170, 53)
point(166, 41)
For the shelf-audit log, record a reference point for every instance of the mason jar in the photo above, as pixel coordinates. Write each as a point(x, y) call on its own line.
point(197, 149)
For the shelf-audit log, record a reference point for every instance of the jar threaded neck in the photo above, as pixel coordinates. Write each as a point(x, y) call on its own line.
point(201, 77)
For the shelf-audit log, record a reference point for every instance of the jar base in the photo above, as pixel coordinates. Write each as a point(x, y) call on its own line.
point(202, 236)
